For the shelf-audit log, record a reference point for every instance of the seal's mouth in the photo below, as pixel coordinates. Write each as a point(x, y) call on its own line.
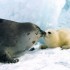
point(43, 33)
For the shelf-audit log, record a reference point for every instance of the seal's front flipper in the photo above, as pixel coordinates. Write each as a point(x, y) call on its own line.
point(65, 47)
point(5, 57)
point(43, 47)
point(32, 49)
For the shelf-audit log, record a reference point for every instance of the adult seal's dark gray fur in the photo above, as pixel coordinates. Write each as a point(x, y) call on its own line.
point(16, 38)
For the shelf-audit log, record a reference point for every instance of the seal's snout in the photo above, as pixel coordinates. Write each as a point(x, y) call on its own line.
point(43, 33)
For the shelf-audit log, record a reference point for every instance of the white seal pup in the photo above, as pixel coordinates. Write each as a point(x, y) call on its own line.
point(57, 38)
point(16, 38)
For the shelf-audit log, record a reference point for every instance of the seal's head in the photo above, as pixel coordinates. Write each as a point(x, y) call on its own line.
point(39, 32)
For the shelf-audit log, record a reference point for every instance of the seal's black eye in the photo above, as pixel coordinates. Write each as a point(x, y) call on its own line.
point(49, 32)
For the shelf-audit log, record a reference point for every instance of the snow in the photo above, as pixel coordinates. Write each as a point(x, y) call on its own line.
point(46, 14)
point(64, 18)
point(38, 59)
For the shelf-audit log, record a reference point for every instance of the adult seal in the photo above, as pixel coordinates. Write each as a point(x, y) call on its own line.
point(16, 38)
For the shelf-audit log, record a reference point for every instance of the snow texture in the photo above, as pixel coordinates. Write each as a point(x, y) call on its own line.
point(64, 18)
point(46, 14)
point(48, 59)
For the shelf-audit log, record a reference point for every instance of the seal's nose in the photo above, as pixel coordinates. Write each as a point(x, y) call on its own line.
point(43, 33)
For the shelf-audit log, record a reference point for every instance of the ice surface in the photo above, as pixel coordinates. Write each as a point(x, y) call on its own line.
point(48, 59)
point(46, 14)
point(64, 18)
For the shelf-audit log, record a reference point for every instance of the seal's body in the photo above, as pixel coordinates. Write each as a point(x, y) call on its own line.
point(16, 38)
point(57, 38)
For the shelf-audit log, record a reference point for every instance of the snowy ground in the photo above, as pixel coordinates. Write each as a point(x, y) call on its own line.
point(48, 59)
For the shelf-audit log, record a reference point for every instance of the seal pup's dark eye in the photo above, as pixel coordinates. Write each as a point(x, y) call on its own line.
point(49, 32)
